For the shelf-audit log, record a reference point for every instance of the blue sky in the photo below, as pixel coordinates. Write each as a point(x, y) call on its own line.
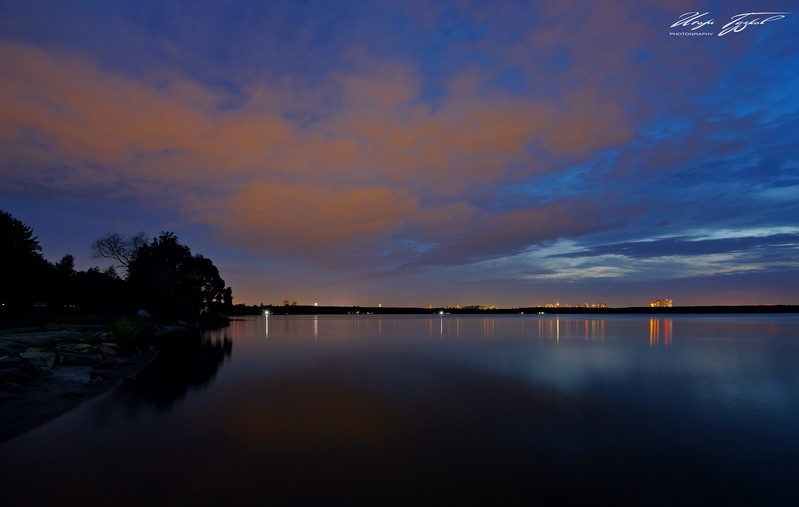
point(416, 152)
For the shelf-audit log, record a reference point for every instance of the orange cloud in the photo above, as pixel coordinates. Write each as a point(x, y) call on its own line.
point(348, 169)
point(309, 222)
point(84, 114)
point(386, 86)
point(588, 123)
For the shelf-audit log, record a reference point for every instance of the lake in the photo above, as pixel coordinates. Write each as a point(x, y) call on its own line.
point(412, 409)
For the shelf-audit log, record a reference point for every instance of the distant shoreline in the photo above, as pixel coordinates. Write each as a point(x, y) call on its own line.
point(636, 310)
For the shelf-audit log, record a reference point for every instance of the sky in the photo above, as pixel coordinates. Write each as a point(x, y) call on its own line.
point(417, 152)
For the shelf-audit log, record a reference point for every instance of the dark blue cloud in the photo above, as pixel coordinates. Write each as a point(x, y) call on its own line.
point(773, 246)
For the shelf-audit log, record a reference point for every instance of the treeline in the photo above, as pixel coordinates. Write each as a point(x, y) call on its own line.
point(160, 276)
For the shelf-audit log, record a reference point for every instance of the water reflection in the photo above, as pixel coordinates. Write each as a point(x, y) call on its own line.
point(554, 328)
point(185, 362)
point(660, 328)
point(415, 410)
point(445, 326)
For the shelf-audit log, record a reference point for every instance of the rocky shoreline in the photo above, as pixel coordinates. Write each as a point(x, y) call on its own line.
point(45, 373)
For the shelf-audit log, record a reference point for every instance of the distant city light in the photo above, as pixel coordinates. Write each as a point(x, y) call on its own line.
point(668, 303)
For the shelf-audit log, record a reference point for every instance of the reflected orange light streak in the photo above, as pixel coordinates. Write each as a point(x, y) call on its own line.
point(655, 332)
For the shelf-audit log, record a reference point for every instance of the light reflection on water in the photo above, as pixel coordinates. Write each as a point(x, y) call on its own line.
point(427, 409)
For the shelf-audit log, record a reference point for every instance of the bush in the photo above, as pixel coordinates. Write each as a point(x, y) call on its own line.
point(121, 333)
point(131, 335)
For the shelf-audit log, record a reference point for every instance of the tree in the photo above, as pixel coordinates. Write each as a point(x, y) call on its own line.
point(66, 266)
point(227, 297)
point(202, 284)
point(62, 280)
point(115, 248)
point(23, 270)
point(100, 291)
point(16, 238)
point(166, 278)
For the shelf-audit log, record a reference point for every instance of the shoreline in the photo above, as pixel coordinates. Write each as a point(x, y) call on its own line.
point(528, 310)
point(41, 378)
point(46, 399)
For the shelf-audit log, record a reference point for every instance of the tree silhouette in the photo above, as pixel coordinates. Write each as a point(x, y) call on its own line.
point(121, 250)
point(17, 238)
point(23, 270)
point(100, 291)
point(62, 286)
point(161, 276)
point(165, 278)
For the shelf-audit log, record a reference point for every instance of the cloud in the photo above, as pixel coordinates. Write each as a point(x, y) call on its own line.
point(532, 143)
point(68, 111)
point(305, 221)
point(354, 169)
point(383, 166)
point(716, 242)
point(697, 254)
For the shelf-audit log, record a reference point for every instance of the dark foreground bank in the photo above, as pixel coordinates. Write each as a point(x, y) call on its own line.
point(46, 372)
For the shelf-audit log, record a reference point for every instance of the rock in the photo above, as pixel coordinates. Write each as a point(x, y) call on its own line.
point(69, 358)
point(105, 349)
point(81, 348)
point(39, 358)
point(79, 374)
point(22, 374)
point(109, 362)
point(9, 362)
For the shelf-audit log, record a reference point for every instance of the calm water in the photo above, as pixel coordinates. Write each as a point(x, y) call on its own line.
point(426, 410)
